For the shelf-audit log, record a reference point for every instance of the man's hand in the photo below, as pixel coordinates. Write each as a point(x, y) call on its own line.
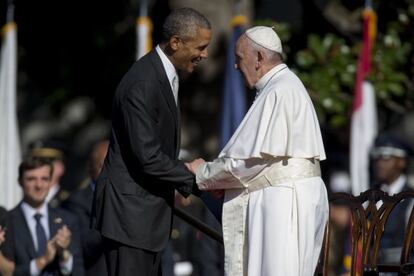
point(193, 166)
point(2, 235)
point(49, 255)
point(6, 266)
point(62, 241)
point(62, 238)
point(50, 252)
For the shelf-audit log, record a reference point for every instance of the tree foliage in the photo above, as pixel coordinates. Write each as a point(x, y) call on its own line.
point(327, 66)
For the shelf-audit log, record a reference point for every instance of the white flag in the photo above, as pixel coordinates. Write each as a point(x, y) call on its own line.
point(10, 157)
point(363, 133)
point(364, 116)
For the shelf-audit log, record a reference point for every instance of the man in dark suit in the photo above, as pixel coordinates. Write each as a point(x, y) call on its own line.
point(46, 240)
point(135, 191)
point(80, 203)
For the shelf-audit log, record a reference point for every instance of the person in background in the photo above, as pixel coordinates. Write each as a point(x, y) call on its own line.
point(391, 156)
point(276, 204)
point(135, 190)
point(6, 265)
point(46, 240)
point(54, 152)
point(80, 203)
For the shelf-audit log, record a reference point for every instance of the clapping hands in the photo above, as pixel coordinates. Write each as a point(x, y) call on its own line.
point(57, 245)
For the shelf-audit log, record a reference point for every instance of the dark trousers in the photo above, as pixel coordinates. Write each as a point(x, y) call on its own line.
point(123, 260)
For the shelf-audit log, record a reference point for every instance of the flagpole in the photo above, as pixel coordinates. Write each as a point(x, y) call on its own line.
point(143, 30)
point(10, 11)
point(143, 8)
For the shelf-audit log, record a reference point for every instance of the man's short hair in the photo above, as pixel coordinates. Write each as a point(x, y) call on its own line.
point(183, 22)
point(31, 163)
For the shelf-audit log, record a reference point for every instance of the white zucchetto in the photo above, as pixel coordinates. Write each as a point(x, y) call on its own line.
point(265, 37)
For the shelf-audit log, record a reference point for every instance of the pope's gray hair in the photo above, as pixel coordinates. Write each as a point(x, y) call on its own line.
point(184, 23)
point(269, 54)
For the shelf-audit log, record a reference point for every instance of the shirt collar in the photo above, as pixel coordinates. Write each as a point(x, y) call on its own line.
point(263, 81)
point(168, 66)
point(29, 211)
point(395, 187)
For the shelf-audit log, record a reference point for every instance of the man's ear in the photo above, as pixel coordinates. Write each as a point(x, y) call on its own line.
point(259, 60)
point(174, 42)
point(402, 164)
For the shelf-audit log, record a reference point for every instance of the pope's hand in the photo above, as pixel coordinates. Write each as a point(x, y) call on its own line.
point(193, 166)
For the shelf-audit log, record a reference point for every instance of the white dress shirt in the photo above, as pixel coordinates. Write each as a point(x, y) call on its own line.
point(396, 186)
point(171, 72)
point(29, 212)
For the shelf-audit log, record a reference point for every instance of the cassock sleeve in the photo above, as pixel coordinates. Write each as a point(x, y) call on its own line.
point(228, 173)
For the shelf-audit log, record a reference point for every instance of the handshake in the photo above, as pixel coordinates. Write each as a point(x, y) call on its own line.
point(193, 165)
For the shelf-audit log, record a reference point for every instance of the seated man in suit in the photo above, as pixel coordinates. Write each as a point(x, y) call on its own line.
point(46, 240)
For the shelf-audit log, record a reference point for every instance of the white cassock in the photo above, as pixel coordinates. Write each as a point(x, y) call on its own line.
point(276, 206)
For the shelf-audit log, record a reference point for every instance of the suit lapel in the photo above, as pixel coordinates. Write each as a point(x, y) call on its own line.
point(165, 84)
point(55, 222)
point(178, 132)
point(169, 97)
point(23, 233)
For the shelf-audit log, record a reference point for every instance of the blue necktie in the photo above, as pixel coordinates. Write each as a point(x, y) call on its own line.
point(41, 236)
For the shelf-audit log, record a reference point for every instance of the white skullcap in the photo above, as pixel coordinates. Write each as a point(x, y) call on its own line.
point(265, 37)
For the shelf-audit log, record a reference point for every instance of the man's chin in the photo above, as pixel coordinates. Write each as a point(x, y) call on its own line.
point(190, 68)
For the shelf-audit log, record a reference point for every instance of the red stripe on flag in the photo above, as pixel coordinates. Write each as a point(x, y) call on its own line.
point(364, 61)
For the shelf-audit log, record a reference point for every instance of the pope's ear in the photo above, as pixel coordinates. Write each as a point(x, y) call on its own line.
point(260, 56)
point(259, 59)
point(174, 42)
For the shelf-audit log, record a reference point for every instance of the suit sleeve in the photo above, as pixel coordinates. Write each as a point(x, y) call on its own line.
point(22, 269)
point(140, 124)
point(75, 247)
point(7, 248)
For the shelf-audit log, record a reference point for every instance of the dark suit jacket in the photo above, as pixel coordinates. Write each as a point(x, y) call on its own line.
point(135, 191)
point(7, 247)
point(394, 228)
point(394, 231)
point(24, 246)
point(80, 204)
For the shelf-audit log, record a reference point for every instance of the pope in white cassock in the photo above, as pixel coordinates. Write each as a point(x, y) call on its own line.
point(276, 205)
